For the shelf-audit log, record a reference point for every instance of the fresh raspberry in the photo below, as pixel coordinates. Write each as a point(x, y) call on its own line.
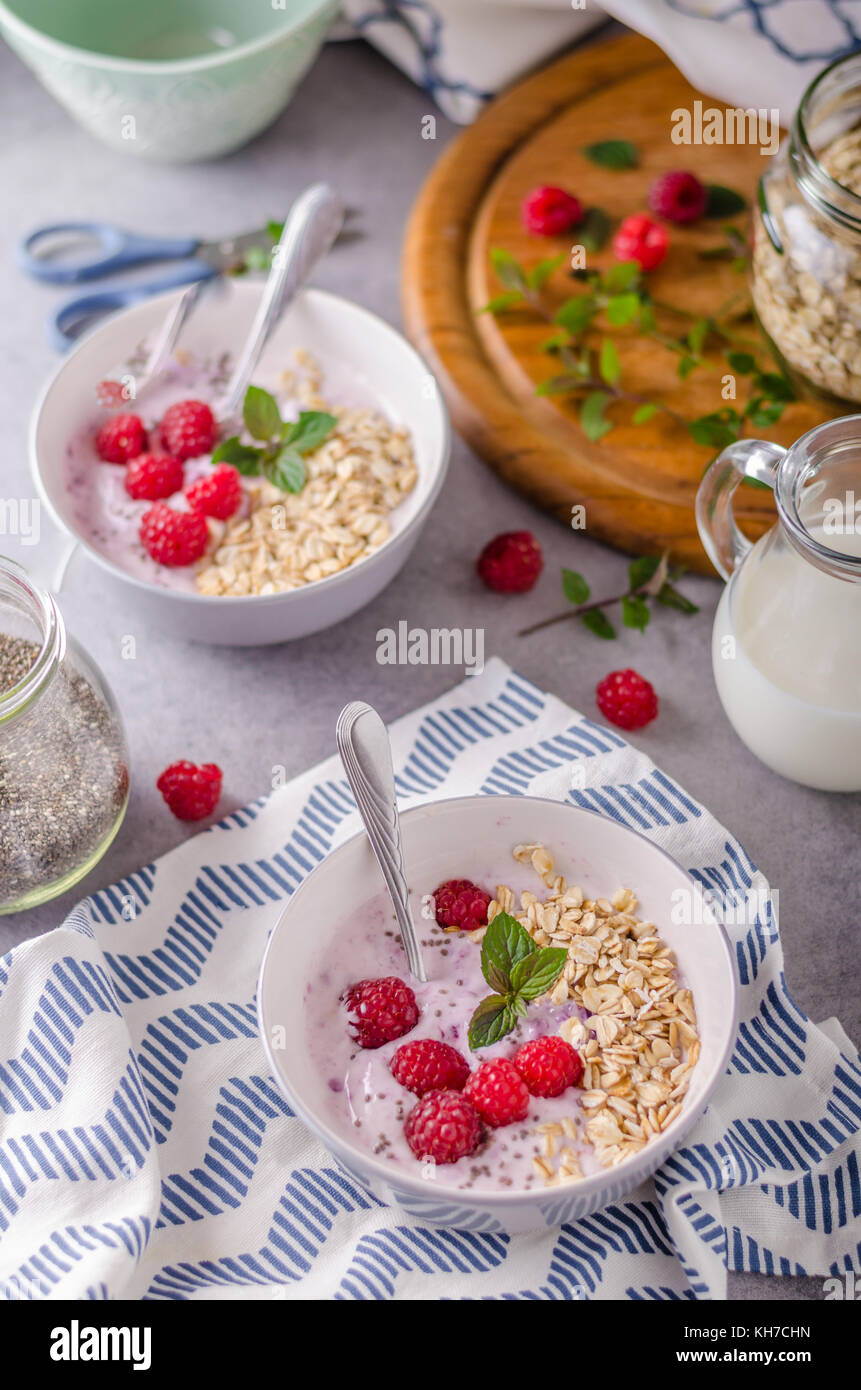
point(151, 476)
point(443, 1126)
point(190, 791)
point(426, 1065)
point(640, 239)
point(548, 1066)
point(121, 438)
point(219, 494)
point(461, 904)
point(626, 699)
point(112, 393)
point(511, 563)
point(380, 1010)
point(678, 196)
point(188, 429)
point(498, 1092)
point(548, 211)
point(172, 537)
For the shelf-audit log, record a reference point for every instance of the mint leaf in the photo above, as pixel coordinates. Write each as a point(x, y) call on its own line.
point(613, 154)
point(243, 457)
point(308, 432)
point(538, 972)
point(608, 362)
point(669, 596)
point(697, 335)
point(286, 470)
point(260, 414)
point(557, 385)
point(509, 271)
point(741, 362)
point(644, 413)
point(505, 943)
point(622, 276)
point(594, 229)
point(716, 430)
point(641, 570)
point(577, 313)
point(275, 230)
point(493, 1018)
point(623, 308)
point(723, 202)
point(635, 612)
point(500, 302)
point(574, 586)
point(599, 624)
point(592, 415)
point(538, 276)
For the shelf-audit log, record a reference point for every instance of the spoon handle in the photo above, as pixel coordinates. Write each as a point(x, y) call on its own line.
point(363, 743)
point(311, 228)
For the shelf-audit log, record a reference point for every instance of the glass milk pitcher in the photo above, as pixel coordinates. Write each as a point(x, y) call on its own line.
point(786, 647)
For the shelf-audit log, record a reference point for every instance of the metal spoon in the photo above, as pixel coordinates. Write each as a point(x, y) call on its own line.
point(311, 228)
point(366, 753)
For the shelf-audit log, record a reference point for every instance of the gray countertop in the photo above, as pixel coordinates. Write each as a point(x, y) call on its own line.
point(357, 122)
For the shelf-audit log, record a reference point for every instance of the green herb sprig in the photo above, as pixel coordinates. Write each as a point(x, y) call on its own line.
point(517, 971)
point(621, 298)
point(279, 455)
point(650, 577)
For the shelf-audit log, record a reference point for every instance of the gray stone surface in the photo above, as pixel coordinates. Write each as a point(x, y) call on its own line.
point(357, 122)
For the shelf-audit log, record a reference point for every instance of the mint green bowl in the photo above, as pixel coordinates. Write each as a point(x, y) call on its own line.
point(172, 80)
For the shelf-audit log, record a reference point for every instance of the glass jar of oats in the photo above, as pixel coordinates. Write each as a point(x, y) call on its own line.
point(807, 238)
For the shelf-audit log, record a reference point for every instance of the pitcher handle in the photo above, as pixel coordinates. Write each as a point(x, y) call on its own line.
point(724, 543)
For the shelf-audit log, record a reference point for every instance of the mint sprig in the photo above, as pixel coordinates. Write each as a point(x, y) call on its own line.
point(517, 971)
point(650, 577)
point(282, 443)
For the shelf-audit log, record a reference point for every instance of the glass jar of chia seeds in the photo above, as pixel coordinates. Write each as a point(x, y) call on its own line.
point(807, 238)
point(64, 777)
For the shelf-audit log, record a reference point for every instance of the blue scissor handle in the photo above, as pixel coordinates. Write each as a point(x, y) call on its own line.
point(117, 250)
point(67, 324)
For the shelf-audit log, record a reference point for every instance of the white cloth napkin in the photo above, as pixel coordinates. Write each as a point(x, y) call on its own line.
point(145, 1151)
point(745, 52)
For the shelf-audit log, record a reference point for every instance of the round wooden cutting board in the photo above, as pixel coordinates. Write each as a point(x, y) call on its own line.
point(639, 482)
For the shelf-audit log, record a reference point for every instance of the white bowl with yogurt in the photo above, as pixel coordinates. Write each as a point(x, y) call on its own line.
point(363, 361)
point(337, 929)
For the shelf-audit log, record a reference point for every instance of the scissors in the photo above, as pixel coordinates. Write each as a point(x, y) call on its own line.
point(118, 250)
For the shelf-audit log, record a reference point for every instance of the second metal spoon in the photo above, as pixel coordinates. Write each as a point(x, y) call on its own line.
point(363, 744)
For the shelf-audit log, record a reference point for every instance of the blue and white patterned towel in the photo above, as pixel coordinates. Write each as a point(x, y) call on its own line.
point(145, 1151)
point(759, 53)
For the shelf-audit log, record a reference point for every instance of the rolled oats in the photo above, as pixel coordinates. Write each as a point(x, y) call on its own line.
point(639, 1042)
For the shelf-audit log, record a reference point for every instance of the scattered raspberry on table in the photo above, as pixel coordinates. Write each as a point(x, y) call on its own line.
point(461, 905)
point(640, 239)
point(188, 429)
point(150, 477)
point(627, 699)
point(219, 494)
point(190, 791)
point(678, 196)
point(380, 1010)
point(171, 537)
point(443, 1126)
point(549, 211)
point(548, 1066)
point(427, 1065)
point(498, 1092)
point(121, 438)
point(511, 562)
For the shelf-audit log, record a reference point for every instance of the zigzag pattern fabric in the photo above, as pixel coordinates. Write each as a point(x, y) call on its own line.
point(145, 1151)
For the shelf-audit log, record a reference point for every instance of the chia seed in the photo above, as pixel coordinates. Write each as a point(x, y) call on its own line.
point(63, 775)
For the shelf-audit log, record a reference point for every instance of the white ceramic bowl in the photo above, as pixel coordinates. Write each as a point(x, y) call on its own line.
point(357, 352)
point(597, 853)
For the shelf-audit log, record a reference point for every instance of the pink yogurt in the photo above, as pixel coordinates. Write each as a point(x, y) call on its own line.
point(365, 1103)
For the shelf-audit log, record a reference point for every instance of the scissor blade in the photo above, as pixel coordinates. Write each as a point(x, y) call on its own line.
point(229, 253)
